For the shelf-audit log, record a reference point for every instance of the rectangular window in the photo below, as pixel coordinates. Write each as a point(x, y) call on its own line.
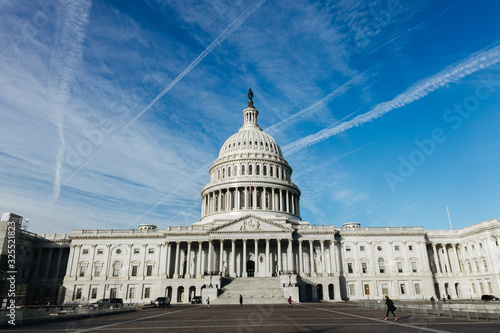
point(78, 294)
point(97, 270)
point(480, 245)
point(385, 289)
point(470, 267)
point(134, 270)
point(481, 288)
point(364, 267)
point(396, 248)
point(473, 287)
point(349, 267)
point(410, 247)
point(131, 292)
point(361, 248)
point(417, 289)
point(93, 293)
point(100, 251)
point(136, 251)
point(413, 266)
point(151, 250)
point(147, 291)
point(485, 265)
point(489, 287)
point(348, 248)
point(82, 270)
point(477, 266)
point(400, 266)
point(352, 290)
point(402, 288)
point(85, 251)
point(149, 270)
point(112, 293)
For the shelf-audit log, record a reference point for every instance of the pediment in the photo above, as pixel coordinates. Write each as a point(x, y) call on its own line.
point(251, 224)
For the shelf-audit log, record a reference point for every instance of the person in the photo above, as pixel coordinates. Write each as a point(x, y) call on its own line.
point(444, 299)
point(433, 302)
point(390, 308)
point(208, 301)
point(241, 300)
point(449, 299)
point(290, 305)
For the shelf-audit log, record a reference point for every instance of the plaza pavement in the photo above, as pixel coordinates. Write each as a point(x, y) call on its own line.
point(304, 317)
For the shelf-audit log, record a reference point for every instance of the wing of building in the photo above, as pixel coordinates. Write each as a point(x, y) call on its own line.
point(251, 241)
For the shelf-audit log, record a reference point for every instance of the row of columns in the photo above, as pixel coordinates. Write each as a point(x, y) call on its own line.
point(46, 264)
point(251, 197)
point(444, 262)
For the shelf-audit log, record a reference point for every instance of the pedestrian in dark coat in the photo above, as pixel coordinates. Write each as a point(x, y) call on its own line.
point(390, 308)
point(241, 300)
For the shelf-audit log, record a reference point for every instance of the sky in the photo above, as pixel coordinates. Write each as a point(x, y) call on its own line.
point(112, 112)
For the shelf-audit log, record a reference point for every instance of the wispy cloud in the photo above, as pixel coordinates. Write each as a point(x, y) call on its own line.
point(453, 73)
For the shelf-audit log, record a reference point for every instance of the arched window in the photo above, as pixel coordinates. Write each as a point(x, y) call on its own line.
point(223, 173)
point(236, 170)
point(242, 170)
point(116, 268)
point(250, 170)
point(257, 169)
point(271, 170)
point(381, 265)
point(229, 171)
point(264, 170)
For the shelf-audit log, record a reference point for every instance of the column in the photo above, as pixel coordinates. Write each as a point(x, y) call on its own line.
point(332, 256)
point(256, 243)
point(176, 265)
point(188, 261)
point(238, 199)
point(280, 269)
point(301, 264)
point(321, 242)
point(162, 263)
point(263, 198)
point(58, 267)
point(108, 261)
point(311, 258)
point(244, 258)
point(209, 260)
point(448, 259)
point(266, 272)
point(287, 202)
point(293, 203)
point(71, 261)
point(245, 203)
point(169, 255)
point(290, 256)
point(272, 199)
point(221, 257)
point(436, 259)
point(198, 260)
point(254, 197)
point(281, 200)
point(49, 259)
point(233, 261)
point(219, 201)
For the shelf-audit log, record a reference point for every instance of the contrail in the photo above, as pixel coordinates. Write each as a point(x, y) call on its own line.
point(453, 73)
point(304, 113)
point(223, 36)
point(70, 37)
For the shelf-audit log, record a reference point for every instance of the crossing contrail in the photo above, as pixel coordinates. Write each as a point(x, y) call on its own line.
point(453, 73)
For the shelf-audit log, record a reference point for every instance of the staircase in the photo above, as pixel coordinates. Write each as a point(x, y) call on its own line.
point(256, 290)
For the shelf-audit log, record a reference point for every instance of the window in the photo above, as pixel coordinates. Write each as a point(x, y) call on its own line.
point(242, 170)
point(131, 292)
point(381, 265)
point(396, 248)
point(116, 268)
point(85, 251)
point(136, 251)
point(100, 251)
point(250, 170)
point(93, 293)
point(229, 171)
point(361, 248)
point(82, 270)
point(473, 247)
point(473, 287)
point(465, 247)
point(481, 288)
point(112, 293)
point(118, 251)
point(364, 267)
point(489, 287)
point(470, 267)
point(264, 170)
point(149, 270)
point(477, 266)
point(349, 267)
point(385, 289)
point(271, 173)
point(400, 266)
point(78, 294)
point(402, 289)
point(413, 266)
point(97, 270)
point(151, 250)
point(147, 292)
point(134, 270)
point(480, 245)
point(410, 247)
point(352, 289)
point(485, 265)
point(417, 289)
point(348, 248)
point(257, 170)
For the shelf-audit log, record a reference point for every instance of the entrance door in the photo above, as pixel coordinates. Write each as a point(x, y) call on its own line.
point(367, 289)
point(250, 268)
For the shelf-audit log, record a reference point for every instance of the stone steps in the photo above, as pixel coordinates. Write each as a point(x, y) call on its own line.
point(254, 291)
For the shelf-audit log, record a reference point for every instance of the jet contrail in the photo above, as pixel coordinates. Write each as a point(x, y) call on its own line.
point(223, 36)
point(453, 73)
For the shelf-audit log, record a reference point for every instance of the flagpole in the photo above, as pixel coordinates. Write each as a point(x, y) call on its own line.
point(449, 217)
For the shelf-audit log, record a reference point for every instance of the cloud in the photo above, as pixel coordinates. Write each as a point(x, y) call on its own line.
point(453, 73)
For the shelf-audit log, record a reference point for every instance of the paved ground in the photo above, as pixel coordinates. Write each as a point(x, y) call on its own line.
point(309, 317)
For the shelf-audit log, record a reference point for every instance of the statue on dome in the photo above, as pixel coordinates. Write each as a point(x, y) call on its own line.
point(250, 96)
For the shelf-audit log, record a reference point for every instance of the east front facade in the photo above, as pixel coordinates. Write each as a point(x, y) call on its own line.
point(251, 241)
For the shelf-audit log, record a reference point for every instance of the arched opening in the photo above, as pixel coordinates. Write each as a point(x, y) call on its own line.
point(331, 294)
point(192, 292)
point(381, 265)
point(168, 292)
point(457, 290)
point(180, 294)
point(250, 268)
point(446, 289)
point(319, 290)
point(309, 293)
point(436, 289)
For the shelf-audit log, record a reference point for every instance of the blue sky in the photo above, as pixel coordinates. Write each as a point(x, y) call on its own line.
point(111, 112)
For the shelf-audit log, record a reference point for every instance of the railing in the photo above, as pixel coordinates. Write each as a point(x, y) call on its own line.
point(471, 311)
point(53, 313)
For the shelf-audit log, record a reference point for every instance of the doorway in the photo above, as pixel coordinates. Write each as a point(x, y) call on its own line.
point(250, 268)
point(319, 290)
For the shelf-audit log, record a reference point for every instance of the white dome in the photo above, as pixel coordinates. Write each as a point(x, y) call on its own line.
point(250, 140)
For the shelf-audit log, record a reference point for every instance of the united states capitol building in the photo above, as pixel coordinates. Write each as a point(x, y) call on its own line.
point(251, 240)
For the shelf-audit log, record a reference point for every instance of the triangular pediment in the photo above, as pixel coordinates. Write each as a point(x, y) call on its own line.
point(251, 224)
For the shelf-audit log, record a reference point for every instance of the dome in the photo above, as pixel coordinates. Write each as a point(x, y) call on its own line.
point(250, 140)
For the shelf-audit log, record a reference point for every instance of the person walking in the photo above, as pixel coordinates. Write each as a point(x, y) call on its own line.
point(290, 302)
point(390, 308)
point(208, 302)
point(433, 302)
point(241, 300)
